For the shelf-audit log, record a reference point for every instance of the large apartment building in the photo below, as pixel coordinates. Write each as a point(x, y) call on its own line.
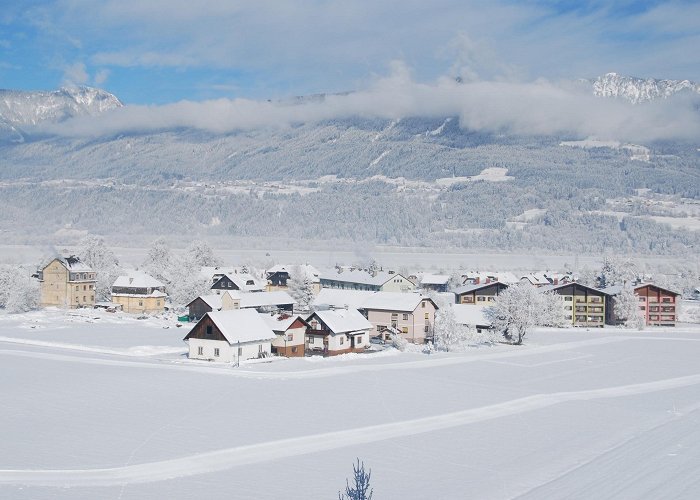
point(67, 282)
point(583, 305)
point(658, 306)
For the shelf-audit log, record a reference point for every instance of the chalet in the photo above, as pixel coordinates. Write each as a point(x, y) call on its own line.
point(380, 281)
point(583, 305)
point(290, 332)
point(240, 282)
point(658, 305)
point(277, 277)
point(229, 300)
point(337, 331)
point(230, 336)
point(67, 282)
point(139, 293)
point(479, 294)
point(434, 282)
point(411, 314)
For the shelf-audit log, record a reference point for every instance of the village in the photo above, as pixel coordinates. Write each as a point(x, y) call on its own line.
point(300, 311)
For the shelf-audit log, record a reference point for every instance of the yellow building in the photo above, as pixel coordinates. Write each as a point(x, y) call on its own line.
point(139, 293)
point(67, 282)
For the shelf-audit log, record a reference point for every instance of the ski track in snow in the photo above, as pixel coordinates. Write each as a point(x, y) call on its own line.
point(135, 351)
point(304, 374)
point(227, 458)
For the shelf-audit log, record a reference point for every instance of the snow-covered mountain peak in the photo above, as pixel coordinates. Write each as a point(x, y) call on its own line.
point(638, 90)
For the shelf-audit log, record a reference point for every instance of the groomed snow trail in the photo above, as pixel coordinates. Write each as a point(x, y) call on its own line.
point(251, 454)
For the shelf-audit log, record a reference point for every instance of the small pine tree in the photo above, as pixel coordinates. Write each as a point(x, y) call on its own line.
point(360, 489)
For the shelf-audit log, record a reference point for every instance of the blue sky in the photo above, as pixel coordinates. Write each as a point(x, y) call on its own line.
point(162, 51)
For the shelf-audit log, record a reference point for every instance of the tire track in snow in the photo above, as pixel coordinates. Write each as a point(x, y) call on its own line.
point(215, 461)
point(318, 372)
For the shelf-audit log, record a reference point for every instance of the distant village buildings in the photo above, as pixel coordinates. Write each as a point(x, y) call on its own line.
point(67, 282)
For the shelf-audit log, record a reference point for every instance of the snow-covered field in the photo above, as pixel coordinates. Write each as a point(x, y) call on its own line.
point(89, 412)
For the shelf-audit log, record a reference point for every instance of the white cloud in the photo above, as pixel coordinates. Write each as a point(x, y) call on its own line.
point(101, 76)
point(539, 107)
point(75, 74)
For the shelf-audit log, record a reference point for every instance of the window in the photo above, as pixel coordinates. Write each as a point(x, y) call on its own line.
point(427, 316)
point(342, 340)
point(77, 288)
point(216, 352)
point(200, 351)
point(290, 337)
point(140, 303)
point(77, 299)
point(84, 298)
point(422, 304)
point(568, 299)
point(394, 315)
point(380, 328)
point(294, 349)
point(404, 329)
point(92, 297)
point(666, 299)
point(209, 329)
point(642, 299)
point(642, 308)
point(481, 299)
point(405, 317)
point(91, 287)
point(359, 340)
point(84, 288)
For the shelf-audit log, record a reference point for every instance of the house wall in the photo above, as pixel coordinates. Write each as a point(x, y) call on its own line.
point(227, 353)
point(481, 296)
point(582, 306)
point(139, 305)
point(412, 328)
point(291, 343)
point(659, 306)
point(198, 308)
point(398, 284)
point(58, 291)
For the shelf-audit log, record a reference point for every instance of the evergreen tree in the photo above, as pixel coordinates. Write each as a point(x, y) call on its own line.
point(360, 490)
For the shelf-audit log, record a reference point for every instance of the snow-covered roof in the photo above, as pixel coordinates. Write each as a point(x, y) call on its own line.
point(393, 301)
point(471, 315)
point(280, 322)
point(343, 320)
point(616, 289)
point(359, 277)
point(551, 288)
point(213, 301)
point(341, 298)
point(536, 279)
point(434, 279)
point(241, 325)
point(261, 299)
point(74, 264)
point(310, 272)
point(154, 293)
point(472, 288)
point(137, 279)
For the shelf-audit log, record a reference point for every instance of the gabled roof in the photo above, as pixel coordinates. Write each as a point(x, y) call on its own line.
point(343, 320)
point(394, 301)
point(244, 282)
point(137, 279)
point(467, 314)
point(73, 264)
point(616, 289)
point(360, 277)
point(434, 279)
point(213, 301)
point(261, 299)
point(473, 288)
point(241, 325)
point(554, 288)
point(310, 272)
point(536, 279)
point(281, 322)
point(341, 298)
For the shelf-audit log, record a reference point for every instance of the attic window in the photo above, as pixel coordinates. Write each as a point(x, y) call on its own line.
point(209, 329)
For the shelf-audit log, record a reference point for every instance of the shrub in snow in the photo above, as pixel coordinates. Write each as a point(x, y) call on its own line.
point(19, 292)
point(360, 489)
point(515, 311)
point(626, 308)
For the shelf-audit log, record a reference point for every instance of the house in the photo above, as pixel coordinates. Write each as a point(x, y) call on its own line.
point(479, 294)
point(380, 281)
point(337, 331)
point(290, 332)
point(537, 279)
point(658, 305)
point(139, 293)
point(278, 301)
point(240, 282)
point(67, 282)
point(472, 317)
point(583, 305)
point(481, 277)
point(202, 305)
point(411, 314)
point(230, 336)
point(336, 298)
point(435, 282)
point(277, 277)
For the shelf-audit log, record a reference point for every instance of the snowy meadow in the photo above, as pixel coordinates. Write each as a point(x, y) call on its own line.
point(107, 406)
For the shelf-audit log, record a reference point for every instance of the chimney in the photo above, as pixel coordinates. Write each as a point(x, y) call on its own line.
point(476, 280)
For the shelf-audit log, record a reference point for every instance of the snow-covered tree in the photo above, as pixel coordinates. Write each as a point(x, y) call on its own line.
point(626, 308)
point(19, 292)
point(448, 335)
point(516, 310)
point(93, 252)
point(553, 310)
point(455, 280)
point(159, 261)
point(201, 254)
point(616, 272)
point(300, 287)
point(360, 490)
